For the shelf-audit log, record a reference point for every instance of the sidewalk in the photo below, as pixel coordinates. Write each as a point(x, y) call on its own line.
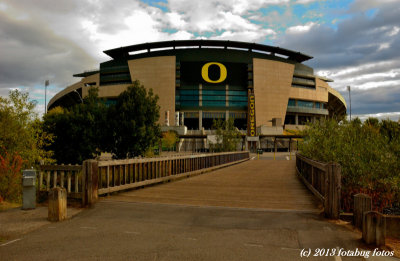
point(16, 222)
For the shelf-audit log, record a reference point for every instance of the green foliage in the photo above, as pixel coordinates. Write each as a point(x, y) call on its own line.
point(169, 140)
point(21, 131)
point(126, 129)
point(134, 120)
point(228, 136)
point(79, 131)
point(368, 153)
point(22, 142)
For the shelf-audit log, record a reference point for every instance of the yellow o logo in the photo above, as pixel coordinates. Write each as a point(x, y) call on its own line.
point(222, 75)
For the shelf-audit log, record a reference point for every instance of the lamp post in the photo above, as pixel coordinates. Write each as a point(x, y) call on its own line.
point(46, 83)
point(348, 88)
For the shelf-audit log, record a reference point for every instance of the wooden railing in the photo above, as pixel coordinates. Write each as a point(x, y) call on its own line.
point(323, 180)
point(65, 176)
point(119, 175)
point(96, 178)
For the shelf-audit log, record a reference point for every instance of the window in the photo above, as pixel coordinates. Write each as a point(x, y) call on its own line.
point(305, 104)
point(290, 119)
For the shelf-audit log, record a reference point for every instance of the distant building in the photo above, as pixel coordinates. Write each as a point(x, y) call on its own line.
point(265, 89)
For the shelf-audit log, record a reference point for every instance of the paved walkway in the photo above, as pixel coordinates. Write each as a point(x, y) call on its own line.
point(260, 184)
point(257, 210)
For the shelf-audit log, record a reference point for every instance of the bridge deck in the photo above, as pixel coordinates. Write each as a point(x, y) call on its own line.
point(264, 184)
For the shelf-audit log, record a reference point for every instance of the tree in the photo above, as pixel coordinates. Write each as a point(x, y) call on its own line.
point(80, 131)
point(228, 136)
point(22, 142)
point(134, 122)
point(169, 140)
point(21, 131)
point(368, 154)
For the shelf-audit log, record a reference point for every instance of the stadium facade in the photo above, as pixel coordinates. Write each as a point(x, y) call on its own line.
point(266, 90)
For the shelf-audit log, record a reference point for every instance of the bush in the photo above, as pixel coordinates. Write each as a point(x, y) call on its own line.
point(10, 176)
point(368, 153)
point(169, 140)
point(227, 136)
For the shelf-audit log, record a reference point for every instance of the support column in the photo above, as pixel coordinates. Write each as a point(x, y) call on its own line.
point(200, 119)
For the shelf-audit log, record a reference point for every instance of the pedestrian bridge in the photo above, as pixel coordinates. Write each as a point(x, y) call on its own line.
point(261, 183)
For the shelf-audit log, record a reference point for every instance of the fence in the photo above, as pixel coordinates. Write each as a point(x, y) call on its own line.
point(65, 176)
point(96, 178)
point(324, 181)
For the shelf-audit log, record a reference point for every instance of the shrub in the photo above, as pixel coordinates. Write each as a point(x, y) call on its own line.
point(368, 153)
point(10, 176)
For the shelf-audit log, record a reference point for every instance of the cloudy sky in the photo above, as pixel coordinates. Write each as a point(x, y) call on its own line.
point(354, 42)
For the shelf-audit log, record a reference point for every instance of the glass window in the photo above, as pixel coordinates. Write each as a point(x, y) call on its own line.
point(317, 105)
point(237, 104)
point(213, 98)
point(238, 93)
point(290, 119)
point(214, 103)
point(292, 102)
point(306, 104)
point(238, 98)
point(213, 92)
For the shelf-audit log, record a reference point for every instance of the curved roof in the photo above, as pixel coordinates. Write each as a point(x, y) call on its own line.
point(124, 51)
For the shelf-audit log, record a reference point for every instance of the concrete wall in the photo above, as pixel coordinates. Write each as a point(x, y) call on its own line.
point(320, 94)
point(272, 85)
point(158, 73)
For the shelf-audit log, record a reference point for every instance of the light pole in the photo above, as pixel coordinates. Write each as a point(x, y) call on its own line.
point(348, 88)
point(46, 83)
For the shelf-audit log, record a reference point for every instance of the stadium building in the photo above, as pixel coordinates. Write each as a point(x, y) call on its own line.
point(266, 90)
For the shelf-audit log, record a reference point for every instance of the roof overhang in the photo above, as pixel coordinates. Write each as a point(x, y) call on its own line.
point(254, 47)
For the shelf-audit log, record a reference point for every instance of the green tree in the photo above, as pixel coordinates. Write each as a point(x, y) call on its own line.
point(80, 132)
point(227, 135)
point(369, 160)
point(134, 122)
point(169, 140)
point(21, 130)
point(22, 142)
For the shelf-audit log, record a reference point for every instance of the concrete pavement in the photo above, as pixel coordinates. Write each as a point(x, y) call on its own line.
point(152, 231)
point(257, 210)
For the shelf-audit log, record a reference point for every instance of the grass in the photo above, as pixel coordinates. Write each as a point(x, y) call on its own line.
point(4, 205)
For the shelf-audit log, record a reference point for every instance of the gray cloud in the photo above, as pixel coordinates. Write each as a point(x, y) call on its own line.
point(361, 52)
point(52, 40)
point(31, 53)
point(374, 100)
point(356, 41)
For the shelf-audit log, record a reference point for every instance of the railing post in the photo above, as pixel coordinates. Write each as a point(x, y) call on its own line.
point(332, 190)
point(90, 177)
point(69, 181)
point(362, 204)
point(374, 228)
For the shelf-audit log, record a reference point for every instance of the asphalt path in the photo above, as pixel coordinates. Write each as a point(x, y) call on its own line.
point(150, 231)
point(207, 217)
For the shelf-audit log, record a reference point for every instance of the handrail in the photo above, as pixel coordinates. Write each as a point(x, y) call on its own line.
point(117, 175)
point(65, 176)
point(323, 180)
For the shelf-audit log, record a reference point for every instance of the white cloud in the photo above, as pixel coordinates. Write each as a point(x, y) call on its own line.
point(394, 116)
point(299, 29)
point(305, 1)
point(395, 31)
